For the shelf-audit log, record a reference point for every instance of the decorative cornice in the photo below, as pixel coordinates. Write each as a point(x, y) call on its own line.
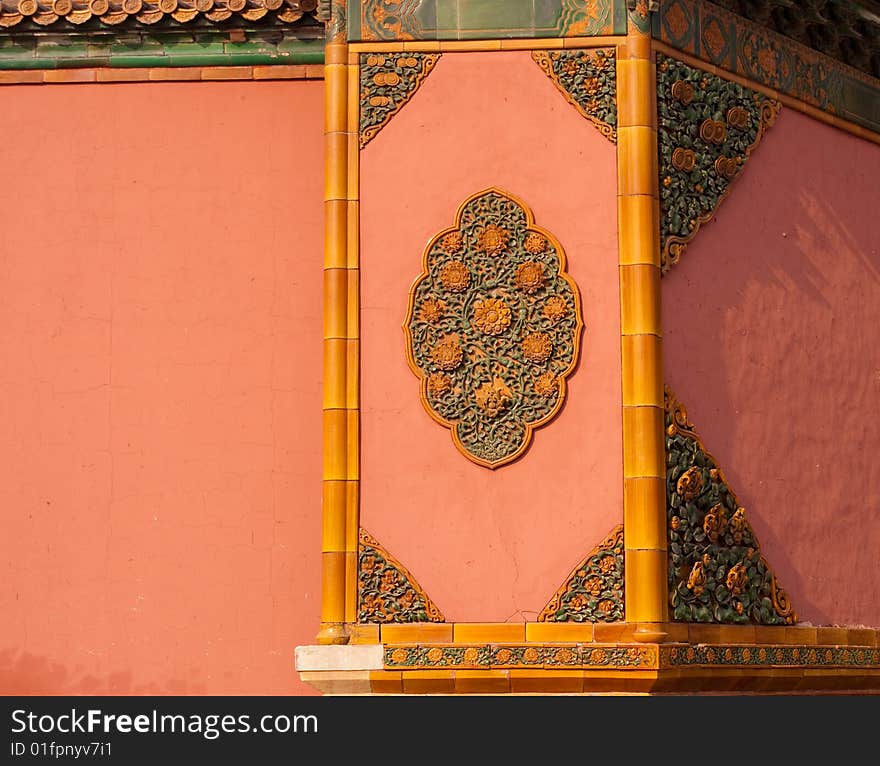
point(593, 592)
point(756, 656)
point(716, 570)
point(588, 80)
point(699, 155)
point(387, 592)
point(73, 14)
point(388, 81)
point(493, 328)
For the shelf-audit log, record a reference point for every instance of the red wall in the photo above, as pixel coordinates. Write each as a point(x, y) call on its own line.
point(771, 341)
point(488, 545)
point(160, 337)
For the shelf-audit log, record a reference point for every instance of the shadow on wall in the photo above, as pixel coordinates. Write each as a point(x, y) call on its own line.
point(770, 334)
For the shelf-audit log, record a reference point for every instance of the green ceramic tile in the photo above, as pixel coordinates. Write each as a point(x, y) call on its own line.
point(496, 15)
point(50, 49)
point(447, 19)
point(147, 47)
point(13, 50)
point(547, 13)
point(426, 18)
point(353, 19)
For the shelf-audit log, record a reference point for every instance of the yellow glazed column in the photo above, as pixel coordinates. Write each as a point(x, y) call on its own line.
point(644, 500)
point(340, 349)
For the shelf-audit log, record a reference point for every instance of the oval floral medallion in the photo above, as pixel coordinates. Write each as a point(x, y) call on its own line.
point(493, 328)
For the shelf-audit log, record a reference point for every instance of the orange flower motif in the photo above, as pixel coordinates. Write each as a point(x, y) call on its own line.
point(600, 60)
point(389, 580)
point(697, 579)
point(591, 85)
point(407, 599)
point(537, 347)
point(605, 606)
point(535, 243)
point(570, 67)
point(593, 586)
point(435, 654)
point(598, 656)
point(747, 654)
point(690, 483)
point(493, 397)
point(452, 243)
point(455, 277)
point(529, 276)
point(470, 655)
point(546, 384)
point(607, 564)
point(439, 384)
point(447, 354)
point(491, 316)
point(555, 308)
point(737, 579)
point(368, 563)
point(492, 240)
point(399, 656)
point(373, 606)
point(503, 655)
point(530, 655)
point(715, 522)
point(432, 310)
point(564, 655)
point(674, 522)
point(738, 525)
point(579, 602)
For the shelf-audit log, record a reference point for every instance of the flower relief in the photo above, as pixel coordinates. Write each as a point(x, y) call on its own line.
point(493, 328)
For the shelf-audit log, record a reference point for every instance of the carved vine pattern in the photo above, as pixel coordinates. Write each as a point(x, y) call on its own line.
point(387, 592)
point(588, 80)
point(388, 81)
point(708, 127)
point(493, 328)
point(593, 592)
point(630, 657)
point(716, 570)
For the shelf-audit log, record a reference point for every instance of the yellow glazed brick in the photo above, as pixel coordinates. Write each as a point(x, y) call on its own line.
point(470, 45)
point(377, 47)
point(482, 682)
point(332, 587)
point(352, 255)
point(643, 446)
point(770, 634)
point(562, 632)
point(644, 512)
point(636, 99)
point(600, 41)
point(334, 517)
point(352, 444)
point(640, 300)
point(353, 169)
point(335, 375)
point(832, 636)
point(352, 510)
point(612, 632)
point(738, 634)
point(335, 234)
point(860, 637)
point(704, 634)
point(645, 586)
point(352, 323)
point(546, 681)
point(351, 585)
point(422, 46)
point(417, 633)
point(335, 98)
point(335, 303)
point(637, 161)
point(638, 230)
point(352, 122)
point(386, 682)
point(528, 45)
point(642, 363)
point(352, 374)
point(335, 430)
point(363, 634)
point(801, 635)
point(335, 166)
point(489, 632)
point(428, 681)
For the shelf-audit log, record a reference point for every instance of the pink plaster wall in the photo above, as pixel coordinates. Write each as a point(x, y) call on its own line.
point(488, 545)
point(771, 340)
point(160, 338)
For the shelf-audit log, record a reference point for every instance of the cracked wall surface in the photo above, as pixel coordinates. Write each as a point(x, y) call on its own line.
point(160, 331)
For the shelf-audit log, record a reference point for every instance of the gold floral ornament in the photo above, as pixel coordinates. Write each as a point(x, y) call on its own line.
point(493, 328)
point(491, 316)
point(387, 592)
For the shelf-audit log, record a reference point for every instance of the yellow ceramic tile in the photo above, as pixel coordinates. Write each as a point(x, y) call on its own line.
point(332, 586)
point(386, 682)
point(832, 636)
point(643, 446)
point(428, 681)
point(352, 508)
point(640, 300)
point(612, 632)
point(352, 444)
point(352, 374)
point(599, 41)
point(644, 512)
point(527, 45)
point(770, 634)
point(335, 98)
point(424, 46)
point(335, 234)
point(352, 241)
point(802, 635)
point(562, 632)
point(637, 161)
point(638, 238)
point(335, 429)
point(860, 637)
point(635, 93)
point(645, 586)
point(704, 634)
point(738, 634)
point(351, 586)
point(352, 111)
point(335, 54)
point(353, 150)
point(388, 47)
point(335, 166)
point(333, 499)
point(470, 45)
point(335, 365)
point(489, 632)
point(642, 364)
point(363, 634)
point(482, 682)
point(418, 633)
point(546, 681)
point(335, 302)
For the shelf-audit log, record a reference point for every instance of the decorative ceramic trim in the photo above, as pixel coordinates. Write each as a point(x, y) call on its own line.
point(784, 656)
point(493, 328)
point(562, 657)
point(460, 20)
point(388, 81)
point(588, 80)
point(700, 156)
point(742, 47)
point(593, 591)
point(716, 570)
point(387, 592)
point(70, 14)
